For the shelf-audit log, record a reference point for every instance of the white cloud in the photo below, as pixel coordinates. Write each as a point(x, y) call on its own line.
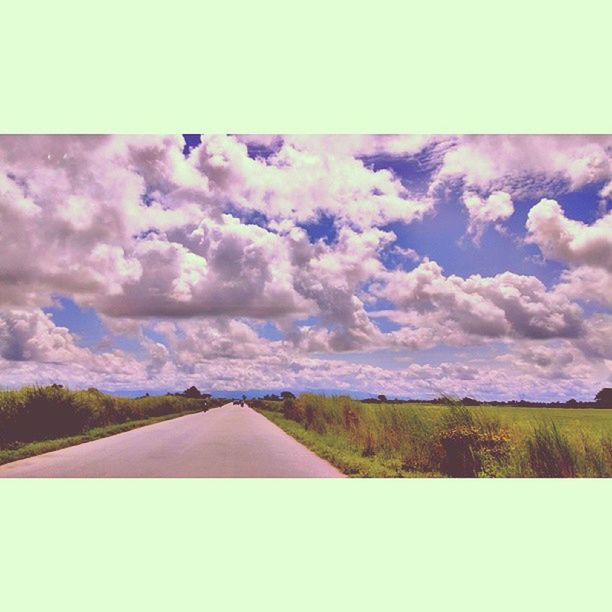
point(301, 184)
point(32, 336)
point(225, 268)
point(224, 353)
point(330, 277)
point(505, 305)
point(133, 228)
point(527, 164)
point(197, 341)
point(353, 145)
point(587, 283)
point(497, 207)
point(596, 341)
point(568, 240)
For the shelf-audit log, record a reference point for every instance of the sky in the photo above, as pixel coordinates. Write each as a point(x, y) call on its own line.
point(407, 265)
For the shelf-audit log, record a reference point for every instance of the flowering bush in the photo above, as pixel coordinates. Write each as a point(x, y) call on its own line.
point(468, 441)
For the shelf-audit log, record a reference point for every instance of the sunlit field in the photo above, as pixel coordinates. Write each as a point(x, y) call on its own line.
point(434, 440)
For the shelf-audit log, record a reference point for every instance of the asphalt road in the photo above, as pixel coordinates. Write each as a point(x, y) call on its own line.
point(230, 441)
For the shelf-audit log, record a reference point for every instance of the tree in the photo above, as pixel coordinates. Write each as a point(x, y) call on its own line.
point(382, 398)
point(287, 395)
point(604, 397)
point(192, 392)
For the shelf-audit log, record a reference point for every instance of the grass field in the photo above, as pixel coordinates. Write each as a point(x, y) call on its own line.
point(436, 440)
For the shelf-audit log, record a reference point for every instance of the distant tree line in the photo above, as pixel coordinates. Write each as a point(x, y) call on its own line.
point(192, 393)
point(272, 397)
point(603, 399)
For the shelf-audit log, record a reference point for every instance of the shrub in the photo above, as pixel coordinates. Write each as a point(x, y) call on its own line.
point(351, 420)
point(46, 412)
point(292, 410)
point(469, 441)
point(41, 413)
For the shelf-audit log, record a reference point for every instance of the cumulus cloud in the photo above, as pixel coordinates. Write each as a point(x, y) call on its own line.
point(225, 268)
point(301, 184)
point(596, 341)
point(527, 164)
point(587, 249)
point(196, 341)
point(569, 365)
point(497, 207)
point(221, 353)
point(605, 193)
point(330, 277)
point(68, 212)
point(355, 145)
point(92, 216)
point(587, 283)
point(505, 305)
point(568, 240)
point(200, 250)
point(31, 344)
point(32, 336)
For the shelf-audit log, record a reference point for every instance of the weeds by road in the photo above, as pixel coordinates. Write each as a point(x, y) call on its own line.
point(38, 419)
point(30, 449)
point(384, 440)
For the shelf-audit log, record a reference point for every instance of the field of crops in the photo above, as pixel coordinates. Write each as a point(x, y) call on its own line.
point(436, 440)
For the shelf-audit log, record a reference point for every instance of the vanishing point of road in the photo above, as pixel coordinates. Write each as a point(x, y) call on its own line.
point(227, 442)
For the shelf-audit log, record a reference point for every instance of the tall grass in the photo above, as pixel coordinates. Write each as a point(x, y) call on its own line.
point(554, 454)
point(551, 455)
point(42, 413)
point(454, 441)
point(389, 432)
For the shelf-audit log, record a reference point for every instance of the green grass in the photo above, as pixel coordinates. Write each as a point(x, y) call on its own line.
point(339, 452)
point(598, 420)
point(435, 440)
point(30, 449)
point(36, 419)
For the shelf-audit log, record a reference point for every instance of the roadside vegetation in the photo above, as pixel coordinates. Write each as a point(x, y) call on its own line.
point(22, 450)
point(37, 419)
point(408, 439)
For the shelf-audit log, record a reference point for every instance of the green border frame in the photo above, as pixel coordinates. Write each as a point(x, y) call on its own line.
point(275, 66)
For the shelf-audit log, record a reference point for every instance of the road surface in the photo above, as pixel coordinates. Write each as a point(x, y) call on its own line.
point(231, 441)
